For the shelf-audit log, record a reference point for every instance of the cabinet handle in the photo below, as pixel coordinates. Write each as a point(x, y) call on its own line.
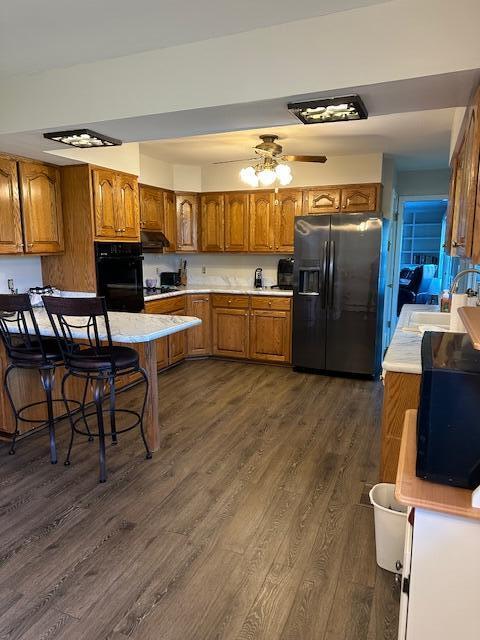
point(30, 244)
point(269, 303)
point(20, 245)
point(229, 302)
point(458, 244)
point(270, 247)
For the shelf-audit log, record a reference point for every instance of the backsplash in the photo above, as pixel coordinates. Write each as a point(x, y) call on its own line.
point(26, 272)
point(220, 268)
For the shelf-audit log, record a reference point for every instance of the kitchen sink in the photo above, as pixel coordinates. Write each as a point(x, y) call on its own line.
point(427, 319)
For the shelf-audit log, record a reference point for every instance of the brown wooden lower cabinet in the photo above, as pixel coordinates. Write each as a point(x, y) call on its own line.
point(199, 339)
point(177, 344)
point(161, 346)
point(230, 332)
point(402, 392)
point(270, 335)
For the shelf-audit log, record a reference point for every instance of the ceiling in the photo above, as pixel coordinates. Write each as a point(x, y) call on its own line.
point(61, 33)
point(416, 140)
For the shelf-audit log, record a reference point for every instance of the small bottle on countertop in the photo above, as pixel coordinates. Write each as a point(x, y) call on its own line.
point(472, 298)
point(445, 301)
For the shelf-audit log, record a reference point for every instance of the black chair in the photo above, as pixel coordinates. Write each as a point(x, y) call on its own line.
point(99, 362)
point(27, 349)
point(416, 291)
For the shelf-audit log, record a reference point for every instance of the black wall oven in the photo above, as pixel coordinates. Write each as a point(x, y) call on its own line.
point(120, 275)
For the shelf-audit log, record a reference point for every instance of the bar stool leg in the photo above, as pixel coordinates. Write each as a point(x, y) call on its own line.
point(113, 425)
point(47, 377)
point(98, 393)
point(148, 455)
point(10, 368)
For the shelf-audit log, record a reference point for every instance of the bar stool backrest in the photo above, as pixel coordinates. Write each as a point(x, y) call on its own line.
point(18, 326)
point(69, 315)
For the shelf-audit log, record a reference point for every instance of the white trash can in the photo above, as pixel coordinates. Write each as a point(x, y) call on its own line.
point(390, 525)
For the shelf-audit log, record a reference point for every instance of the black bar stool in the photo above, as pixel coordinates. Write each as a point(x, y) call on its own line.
point(27, 349)
point(99, 363)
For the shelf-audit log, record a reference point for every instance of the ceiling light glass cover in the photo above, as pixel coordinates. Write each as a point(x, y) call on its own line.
point(338, 109)
point(82, 139)
point(266, 173)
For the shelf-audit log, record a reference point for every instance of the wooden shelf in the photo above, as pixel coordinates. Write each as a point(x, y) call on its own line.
point(416, 492)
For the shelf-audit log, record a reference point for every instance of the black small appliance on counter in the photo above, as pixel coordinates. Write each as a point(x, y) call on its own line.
point(448, 419)
point(120, 275)
point(170, 278)
point(285, 274)
point(258, 278)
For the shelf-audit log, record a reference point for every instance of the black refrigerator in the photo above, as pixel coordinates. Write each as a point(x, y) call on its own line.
point(337, 293)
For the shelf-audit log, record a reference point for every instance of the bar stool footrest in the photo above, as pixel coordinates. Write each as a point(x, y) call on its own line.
point(93, 414)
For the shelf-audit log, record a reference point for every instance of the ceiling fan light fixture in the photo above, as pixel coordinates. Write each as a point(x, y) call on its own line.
point(249, 176)
point(267, 176)
point(339, 109)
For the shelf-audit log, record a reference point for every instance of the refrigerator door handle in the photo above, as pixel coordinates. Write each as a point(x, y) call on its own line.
point(331, 272)
point(324, 283)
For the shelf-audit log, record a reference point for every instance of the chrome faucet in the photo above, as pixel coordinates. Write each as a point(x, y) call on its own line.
point(459, 276)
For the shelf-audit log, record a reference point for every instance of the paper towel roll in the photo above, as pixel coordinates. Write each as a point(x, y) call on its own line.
point(458, 300)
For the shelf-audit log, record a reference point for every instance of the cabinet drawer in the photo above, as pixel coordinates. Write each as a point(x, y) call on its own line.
point(270, 302)
point(232, 302)
point(166, 305)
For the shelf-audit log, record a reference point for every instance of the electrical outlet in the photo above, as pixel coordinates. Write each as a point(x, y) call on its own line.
point(204, 269)
point(159, 270)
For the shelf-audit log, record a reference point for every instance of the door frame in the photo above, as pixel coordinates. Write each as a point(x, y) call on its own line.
point(395, 256)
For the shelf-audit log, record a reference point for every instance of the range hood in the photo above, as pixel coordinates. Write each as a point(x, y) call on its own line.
point(154, 241)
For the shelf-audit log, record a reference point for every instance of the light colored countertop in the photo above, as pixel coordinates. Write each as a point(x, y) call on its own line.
point(404, 353)
point(233, 290)
point(126, 327)
point(416, 492)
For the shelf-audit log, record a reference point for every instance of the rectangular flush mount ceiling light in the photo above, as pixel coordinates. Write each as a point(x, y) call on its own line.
point(83, 138)
point(338, 109)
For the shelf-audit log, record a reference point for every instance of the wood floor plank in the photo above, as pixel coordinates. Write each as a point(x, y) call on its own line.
point(249, 523)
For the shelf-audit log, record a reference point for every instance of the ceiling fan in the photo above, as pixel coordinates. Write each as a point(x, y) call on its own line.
point(271, 163)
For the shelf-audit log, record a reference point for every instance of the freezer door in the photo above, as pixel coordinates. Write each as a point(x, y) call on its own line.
point(312, 236)
point(353, 269)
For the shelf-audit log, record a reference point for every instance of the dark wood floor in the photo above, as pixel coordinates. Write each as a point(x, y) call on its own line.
point(252, 522)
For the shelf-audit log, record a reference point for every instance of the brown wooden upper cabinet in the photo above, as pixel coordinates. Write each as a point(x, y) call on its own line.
point(288, 204)
point(322, 200)
point(10, 218)
point(37, 207)
point(116, 207)
point(349, 199)
point(213, 221)
point(187, 221)
point(152, 208)
point(261, 205)
point(463, 233)
point(236, 221)
point(170, 212)
point(361, 197)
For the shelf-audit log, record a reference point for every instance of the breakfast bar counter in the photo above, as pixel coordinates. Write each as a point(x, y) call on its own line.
point(140, 331)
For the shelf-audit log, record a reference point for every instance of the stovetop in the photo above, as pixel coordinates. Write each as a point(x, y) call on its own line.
point(161, 289)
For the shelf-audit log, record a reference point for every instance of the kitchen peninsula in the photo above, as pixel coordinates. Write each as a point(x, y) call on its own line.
point(140, 331)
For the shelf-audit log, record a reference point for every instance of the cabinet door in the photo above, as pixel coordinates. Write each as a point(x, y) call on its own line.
point(324, 200)
point(212, 227)
point(107, 224)
point(236, 222)
point(10, 220)
point(170, 212)
point(199, 338)
point(127, 206)
point(357, 198)
point(288, 204)
point(161, 346)
point(230, 332)
point(261, 222)
point(41, 207)
point(151, 208)
point(468, 231)
point(270, 335)
point(187, 215)
point(177, 343)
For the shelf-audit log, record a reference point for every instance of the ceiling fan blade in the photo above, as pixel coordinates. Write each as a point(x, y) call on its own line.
point(304, 158)
point(239, 160)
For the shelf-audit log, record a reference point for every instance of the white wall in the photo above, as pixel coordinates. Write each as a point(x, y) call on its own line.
point(337, 170)
point(221, 268)
point(423, 183)
point(126, 157)
point(394, 40)
point(26, 272)
point(187, 177)
point(389, 182)
point(155, 172)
